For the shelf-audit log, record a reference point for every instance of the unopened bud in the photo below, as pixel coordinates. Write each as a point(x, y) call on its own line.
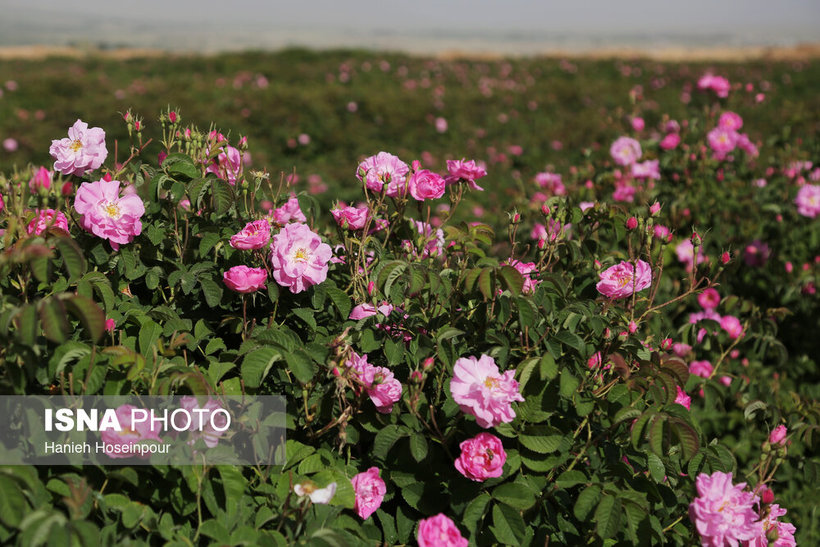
point(631, 223)
point(633, 327)
point(172, 116)
point(416, 376)
point(655, 208)
point(370, 287)
point(428, 363)
point(696, 239)
point(768, 496)
point(545, 209)
point(542, 243)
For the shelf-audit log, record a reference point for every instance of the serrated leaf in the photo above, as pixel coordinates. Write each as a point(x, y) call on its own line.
point(485, 283)
point(54, 319)
point(753, 407)
point(223, 196)
point(475, 510)
point(548, 367)
point(543, 444)
point(516, 495)
point(656, 467)
point(568, 384)
point(608, 516)
point(341, 300)
point(508, 525)
point(511, 279)
point(418, 446)
point(72, 255)
point(386, 438)
point(570, 478)
point(89, 314)
point(656, 434)
point(212, 291)
point(687, 436)
point(301, 365)
point(148, 336)
point(587, 499)
point(256, 365)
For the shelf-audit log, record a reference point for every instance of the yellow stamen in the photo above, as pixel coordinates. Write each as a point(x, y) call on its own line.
point(491, 382)
point(301, 255)
point(76, 145)
point(112, 210)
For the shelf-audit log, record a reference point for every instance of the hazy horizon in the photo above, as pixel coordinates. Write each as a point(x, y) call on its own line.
point(422, 25)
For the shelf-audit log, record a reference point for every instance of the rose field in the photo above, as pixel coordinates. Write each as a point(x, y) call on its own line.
point(533, 301)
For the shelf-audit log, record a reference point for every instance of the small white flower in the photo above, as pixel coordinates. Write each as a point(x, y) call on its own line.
point(316, 495)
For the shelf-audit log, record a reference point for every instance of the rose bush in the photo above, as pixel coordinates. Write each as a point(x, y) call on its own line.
point(444, 379)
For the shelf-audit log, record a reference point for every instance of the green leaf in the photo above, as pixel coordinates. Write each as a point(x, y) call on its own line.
point(608, 516)
point(223, 196)
point(88, 312)
point(73, 258)
point(508, 525)
point(656, 467)
point(571, 339)
point(753, 407)
point(394, 351)
point(256, 365)
point(687, 436)
point(212, 292)
point(587, 499)
point(511, 279)
point(656, 434)
point(149, 334)
point(341, 300)
point(180, 167)
point(568, 384)
point(418, 446)
point(54, 319)
point(475, 511)
point(208, 242)
point(570, 478)
point(515, 494)
point(548, 367)
point(543, 444)
point(301, 365)
point(485, 283)
point(13, 504)
point(526, 312)
point(386, 438)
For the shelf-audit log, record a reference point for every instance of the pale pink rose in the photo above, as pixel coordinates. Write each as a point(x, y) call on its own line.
point(130, 434)
point(425, 184)
point(718, 84)
point(527, 271)
point(680, 349)
point(466, 171)
point(44, 218)
point(243, 279)
point(624, 192)
point(670, 141)
point(227, 165)
point(107, 215)
point(350, 218)
point(317, 495)
point(83, 151)
point(778, 435)
point(721, 141)
point(730, 121)
point(732, 326)
point(625, 151)
point(434, 238)
point(209, 425)
point(379, 383)
point(637, 123)
point(254, 235)
point(363, 311)
point(551, 182)
point(584, 205)
point(482, 391)
point(370, 490)
point(440, 531)
point(289, 212)
point(701, 368)
point(683, 399)
point(808, 200)
point(299, 257)
point(481, 458)
point(624, 279)
point(709, 299)
point(41, 179)
point(745, 144)
point(723, 513)
point(381, 169)
point(441, 125)
point(648, 169)
point(770, 527)
point(686, 253)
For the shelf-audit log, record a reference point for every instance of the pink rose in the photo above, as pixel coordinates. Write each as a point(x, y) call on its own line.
point(778, 435)
point(370, 490)
point(363, 311)
point(730, 121)
point(683, 399)
point(482, 457)
point(466, 171)
point(638, 123)
point(648, 169)
point(721, 141)
point(209, 425)
point(289, 212)
point(110, 325)
point(670, 141)
point(732, 326)
point(299, 257)
point(243, 279)
point(131, 433)
point(44, 218)
point(41, 179)
point(709, 299)
point(254, 235)
point(84, 150)
point(379, 383)
point(424, 184)
point(770, 526)
point(621, 280)
point(625, 151)
point(350, 218)
point(808, 200)
point(482, 391)
point(701, 368)
point(551, 182)
point(723, 513)
point(107, 215)
point(381, 169)
point(228, 164)
point(439, 531)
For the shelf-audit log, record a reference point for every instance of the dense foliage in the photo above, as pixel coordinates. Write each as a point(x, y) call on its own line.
point(628, 366)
